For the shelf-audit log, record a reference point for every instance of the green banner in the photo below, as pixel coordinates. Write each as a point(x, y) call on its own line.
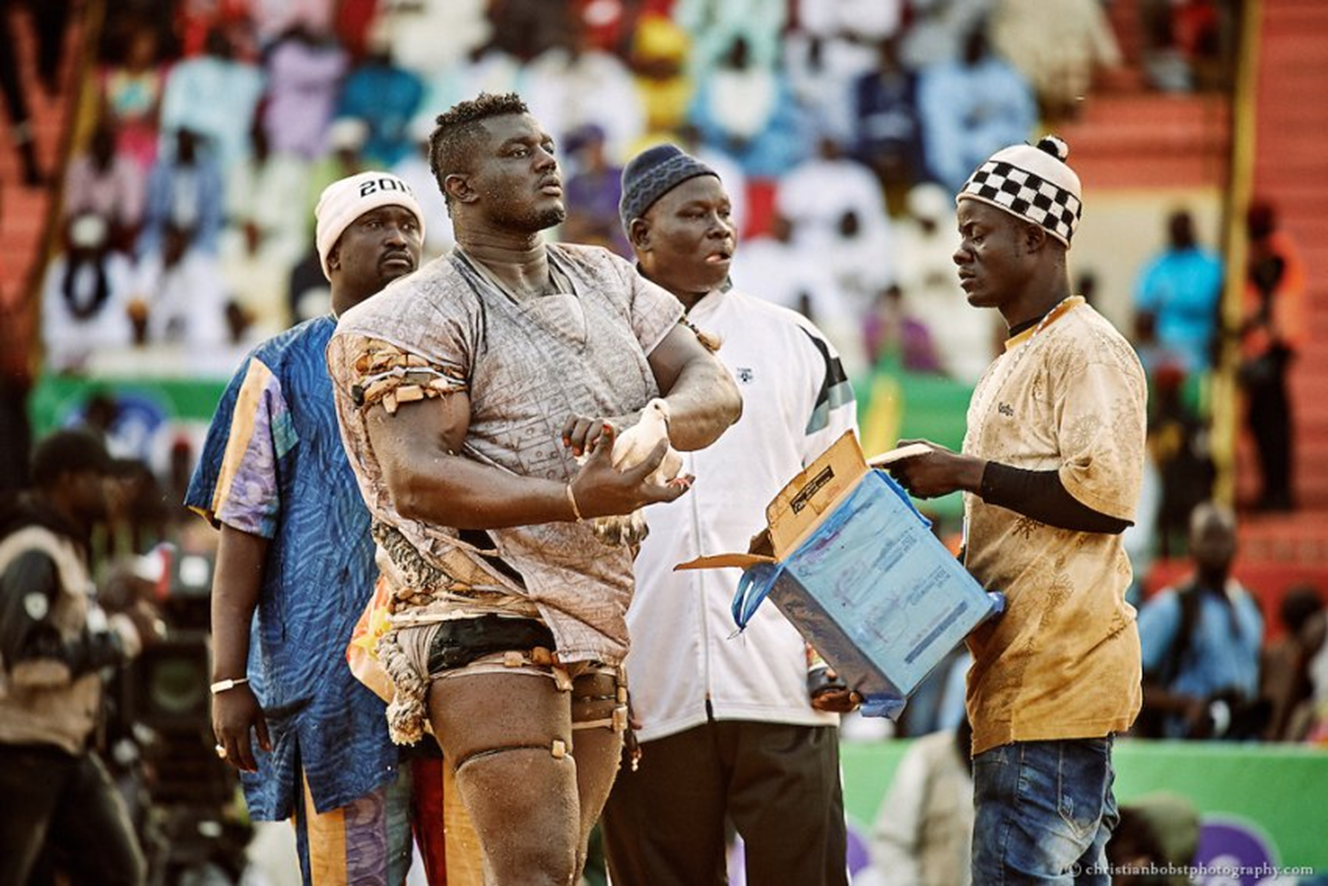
point(894, 404)
point(58, 398)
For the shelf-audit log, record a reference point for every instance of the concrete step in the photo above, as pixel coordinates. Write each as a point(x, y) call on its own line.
point(1150, 114)
point(1149, 139)
point(1165, 171)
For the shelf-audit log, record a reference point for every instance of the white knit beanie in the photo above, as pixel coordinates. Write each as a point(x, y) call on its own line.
point(346, 200)
point(1033, 183)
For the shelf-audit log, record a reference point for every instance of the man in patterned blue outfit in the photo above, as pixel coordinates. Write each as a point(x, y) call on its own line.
point(310, 741)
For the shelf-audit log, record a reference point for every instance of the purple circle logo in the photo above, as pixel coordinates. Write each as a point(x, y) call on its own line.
point(1233, 851)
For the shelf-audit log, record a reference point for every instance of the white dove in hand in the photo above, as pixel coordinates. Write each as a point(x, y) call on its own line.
point(632, 447)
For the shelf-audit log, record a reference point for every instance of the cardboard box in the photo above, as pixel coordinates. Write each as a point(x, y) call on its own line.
point(851, 563)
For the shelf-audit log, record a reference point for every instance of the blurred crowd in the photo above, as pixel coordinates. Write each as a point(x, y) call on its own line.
point(842, 129)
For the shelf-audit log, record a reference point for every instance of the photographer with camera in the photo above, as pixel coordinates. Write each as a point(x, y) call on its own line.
point(1201, 643)
point(54, 643)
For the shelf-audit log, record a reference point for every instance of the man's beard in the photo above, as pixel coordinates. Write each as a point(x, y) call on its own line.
point(535, 220)
point(526, 219)
point(554, 215)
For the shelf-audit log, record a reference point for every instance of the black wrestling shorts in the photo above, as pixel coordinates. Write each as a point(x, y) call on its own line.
point(461, 641)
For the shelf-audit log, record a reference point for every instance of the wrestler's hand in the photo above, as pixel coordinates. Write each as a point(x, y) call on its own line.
point(602, 490)
point(235, 713)
point(938, 472)
point(581, 431)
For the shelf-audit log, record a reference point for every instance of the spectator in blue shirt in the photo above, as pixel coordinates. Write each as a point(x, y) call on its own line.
point(186, 197)
point(970, 108)
point(386, 97)
point(746, 110)
point(1201, 642)
point(1182, 289)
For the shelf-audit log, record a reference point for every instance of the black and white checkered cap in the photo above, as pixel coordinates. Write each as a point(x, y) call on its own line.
point(1033, 183)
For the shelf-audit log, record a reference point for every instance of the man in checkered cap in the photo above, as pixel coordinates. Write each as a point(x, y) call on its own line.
point(1050, 469)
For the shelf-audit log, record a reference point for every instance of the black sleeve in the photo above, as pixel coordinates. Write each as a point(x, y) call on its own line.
point(1042, 496)
point(28, 590)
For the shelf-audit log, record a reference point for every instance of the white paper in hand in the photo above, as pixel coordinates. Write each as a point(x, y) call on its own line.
point(885, 459)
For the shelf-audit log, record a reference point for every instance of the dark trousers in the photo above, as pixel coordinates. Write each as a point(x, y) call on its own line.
point(49, 797)
point(779, 785)
point(1270, 425)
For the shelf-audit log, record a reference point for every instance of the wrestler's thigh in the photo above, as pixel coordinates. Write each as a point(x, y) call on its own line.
point(473, 714)
point(509, 737)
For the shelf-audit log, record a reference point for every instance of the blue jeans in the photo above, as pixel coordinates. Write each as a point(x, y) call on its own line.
point(1044, 812)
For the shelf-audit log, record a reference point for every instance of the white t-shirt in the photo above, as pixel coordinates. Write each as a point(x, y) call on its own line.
point(796, 401)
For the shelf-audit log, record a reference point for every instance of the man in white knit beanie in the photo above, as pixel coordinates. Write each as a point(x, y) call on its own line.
point(296, 561)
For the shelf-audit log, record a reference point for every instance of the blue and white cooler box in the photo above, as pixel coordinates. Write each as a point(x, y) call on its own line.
point(853, 565)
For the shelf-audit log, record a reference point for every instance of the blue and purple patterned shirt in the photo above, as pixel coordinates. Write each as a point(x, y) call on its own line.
point(273, 466)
